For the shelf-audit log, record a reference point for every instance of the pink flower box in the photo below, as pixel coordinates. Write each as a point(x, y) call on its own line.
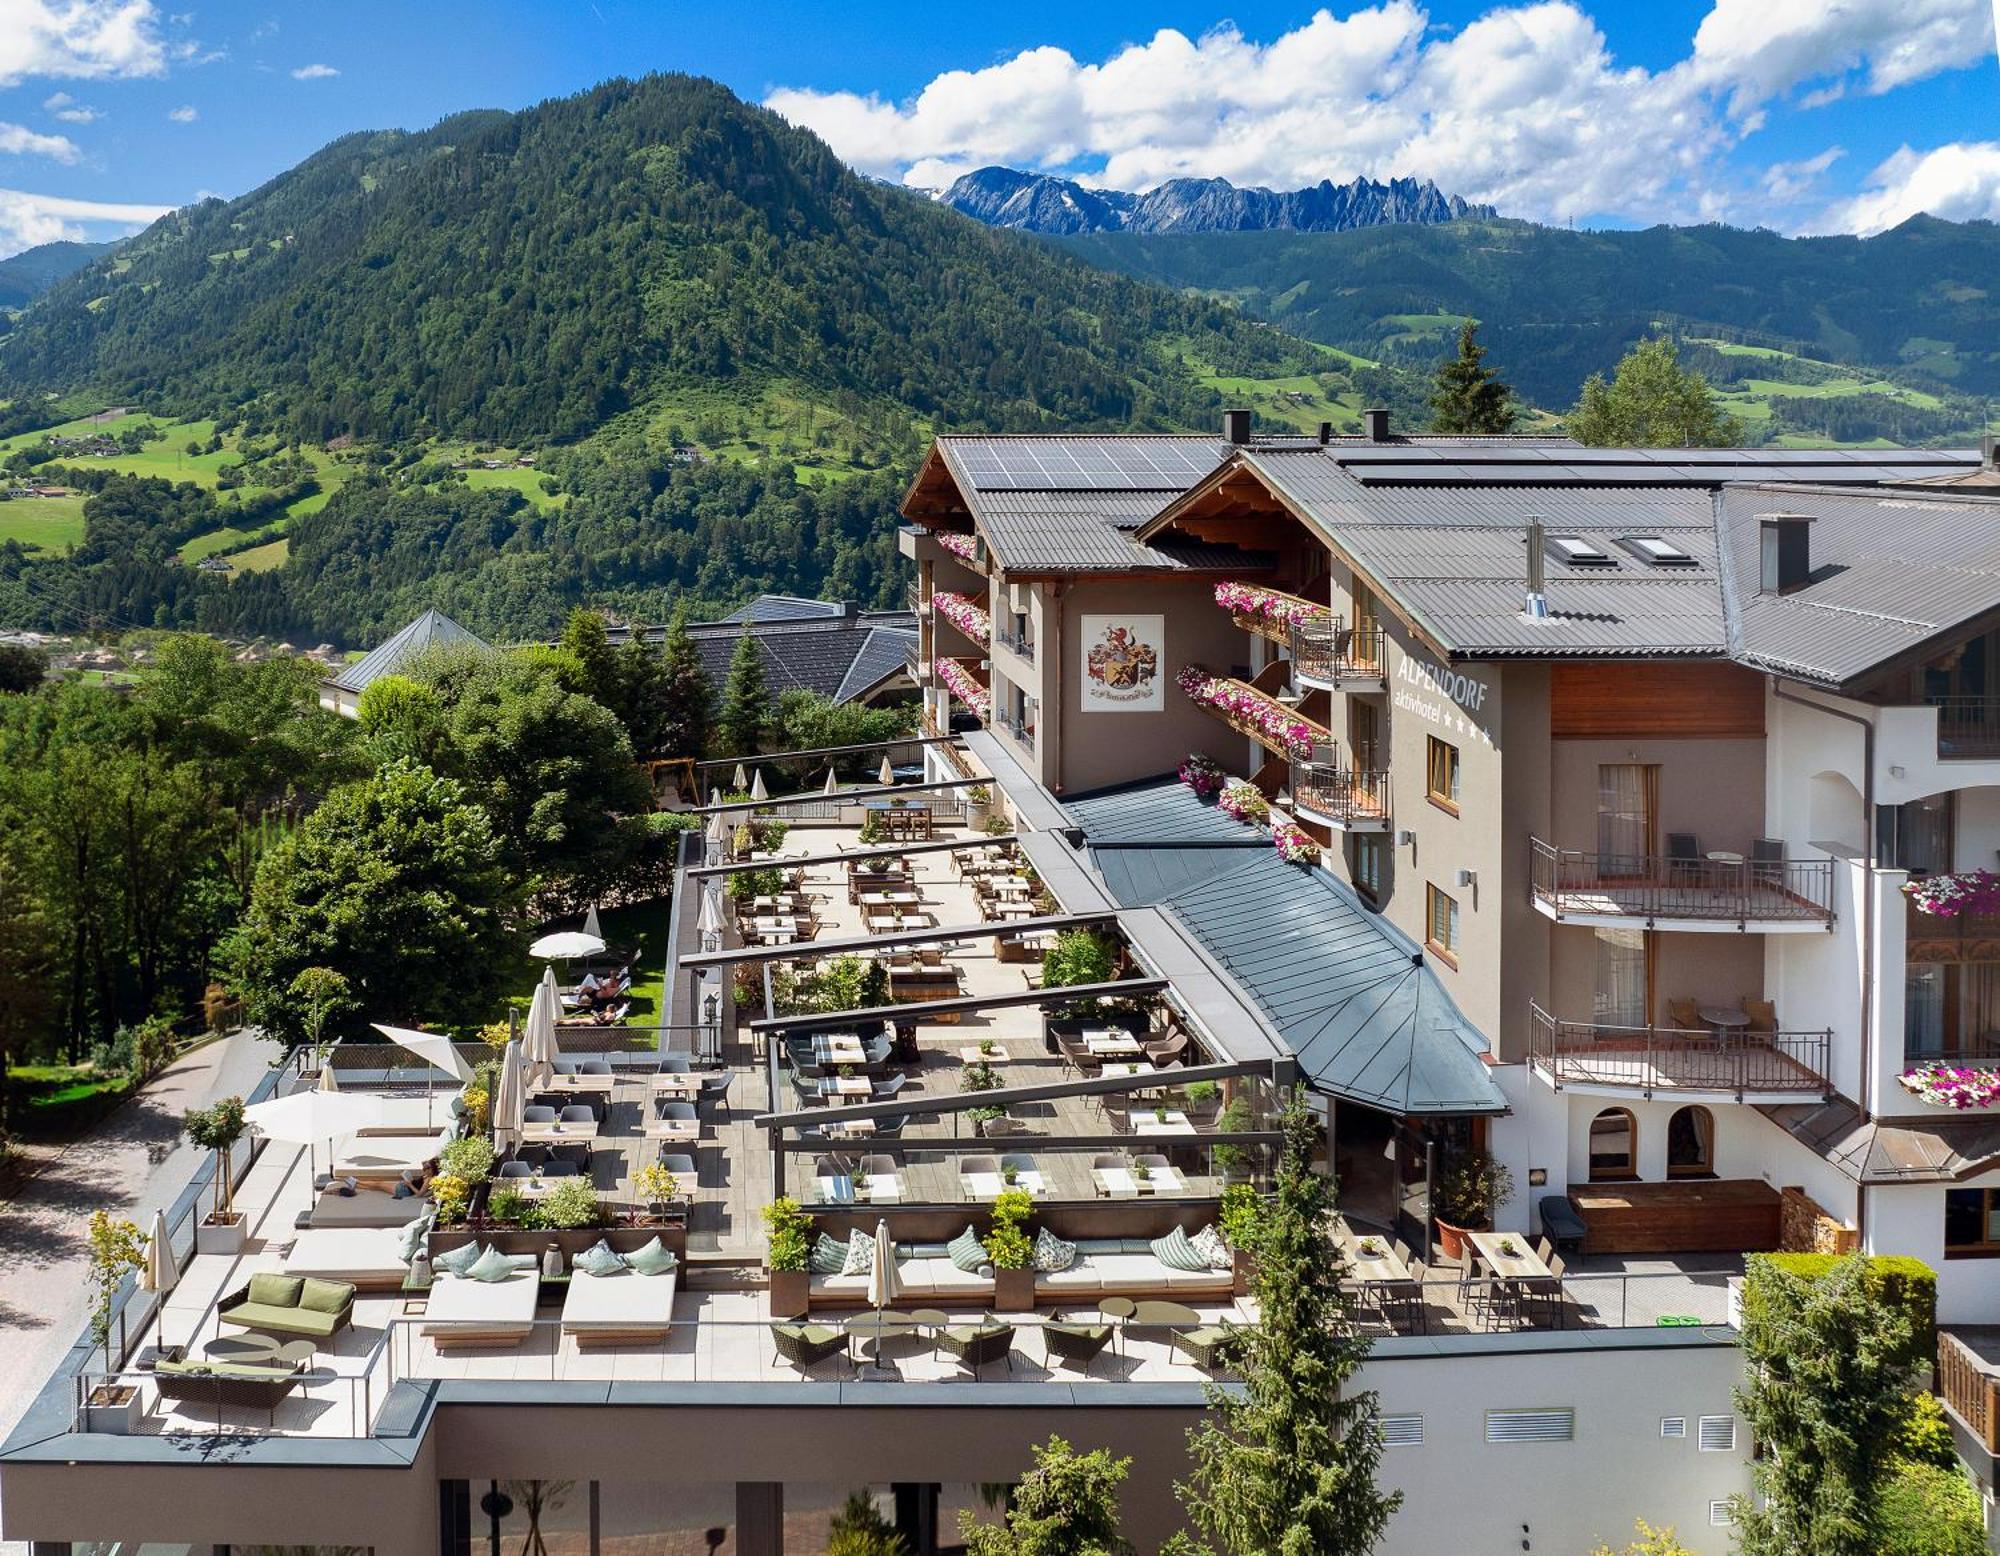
point(957, 680)
point(969, 618)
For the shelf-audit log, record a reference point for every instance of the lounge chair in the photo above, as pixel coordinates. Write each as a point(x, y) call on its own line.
point(1202, 1346)
point(462, 1312)
point(1561, 1221)
point(227, 1385)
point(290, 1304)
point(364, 1257)
point(807, 1345)
point(1079, 1343)
point(978, 1345)
point(624, 1308)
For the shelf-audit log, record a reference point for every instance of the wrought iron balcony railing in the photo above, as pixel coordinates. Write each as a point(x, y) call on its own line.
point(1327, 652)
point(1353, 800)
point(1733, 892)
point(1670, 1059)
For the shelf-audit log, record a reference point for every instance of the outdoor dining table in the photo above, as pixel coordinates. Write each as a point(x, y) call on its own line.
point(558, 1133)
point(676, 1087)
point(849, 1129)
point(1370, 1258)
point(1124, 1183)
point(1011, 886)
point(1724, 1019)
point(991, 1185)
point(847, 1086)
point(674, 1131)
point(837, 1048)
point(1522, 1264)
point(1107, 1041)
point(891, 899)
point(841, 1189)
point(888, 922)
point(972, 1054)
point(584, 1083)
point(1175, 1123)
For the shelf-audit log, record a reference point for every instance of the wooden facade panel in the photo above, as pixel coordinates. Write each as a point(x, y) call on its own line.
point(1628, 700)
point(1715, 1216)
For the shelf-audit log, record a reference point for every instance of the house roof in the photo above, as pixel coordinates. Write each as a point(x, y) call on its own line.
point(824, 646)
point(1350, 996)
point(433, 629)
point(1890, 1151)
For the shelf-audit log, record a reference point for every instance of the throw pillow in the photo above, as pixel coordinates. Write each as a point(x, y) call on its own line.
point(492, 1265)
point(324, 1296)
point(828, 1256)
point(1177, 1253)
point(349, 1187)
point(600, 1260)
point(456, 1261)
point(410, 1239)
point(1052, 1253)
point(1209, 1244)
point(653, 1259)
point(860, 1254)
point(966, 1251)
point(276, 1290)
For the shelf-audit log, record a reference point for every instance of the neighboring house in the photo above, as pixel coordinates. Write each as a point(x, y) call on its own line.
point(341, 693)
point(830, 647)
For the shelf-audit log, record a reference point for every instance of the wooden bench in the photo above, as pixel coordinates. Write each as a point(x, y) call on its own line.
point(1722, 1215)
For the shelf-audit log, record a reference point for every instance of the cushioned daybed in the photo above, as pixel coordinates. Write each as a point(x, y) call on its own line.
point(366, 1256)
point(366, 1207)
point(467, 1312)
point(414, 1115)
point(624, 1308)
point(1103, 1267)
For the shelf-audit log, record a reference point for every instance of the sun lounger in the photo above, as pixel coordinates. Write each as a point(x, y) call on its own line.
point(367, 1206)
point(414, 1115)
point(463, 1312)
point(364, 1256)
point(626, 1308)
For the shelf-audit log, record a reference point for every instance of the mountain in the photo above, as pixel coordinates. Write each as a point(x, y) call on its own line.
point(1040, 202)
point(26, 275)
point(1833, 339)
point(528, 277)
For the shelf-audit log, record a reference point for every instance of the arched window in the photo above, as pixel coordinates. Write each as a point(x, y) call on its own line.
point(1691, 1143)
point(1614, 1145)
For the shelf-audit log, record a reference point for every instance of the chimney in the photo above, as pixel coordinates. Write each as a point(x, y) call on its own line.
point(1375, 425)
point(1326, 432)
point(1536, 607)
point(1236, 427)
point(1989, 451)
point(1784, 552)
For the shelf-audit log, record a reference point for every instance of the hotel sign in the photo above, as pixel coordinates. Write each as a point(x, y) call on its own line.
point(1441, 695)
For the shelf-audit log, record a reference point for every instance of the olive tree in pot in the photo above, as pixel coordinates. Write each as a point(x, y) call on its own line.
point(117, 1249)
point(217, 1128)
point(789, 1230)
point(1012, 1252)
point(1470, 1187)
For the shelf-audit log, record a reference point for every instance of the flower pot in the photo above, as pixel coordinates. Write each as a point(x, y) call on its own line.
point(1242, 1270)
point(1451, 1239)
point(112, 1408)
point(1014, 1291)
point(791, 1293)
point(216, 1235)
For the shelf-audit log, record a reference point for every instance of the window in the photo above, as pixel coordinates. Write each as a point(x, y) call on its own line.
point(1530, 1426)
point(1614, 1145)
point(1441, 775)
point(1441, 925)
point(1716, 1434)
point(1365, 863)
point(1691, 1143)
point(1656, 552)
point(1971, 1223)
point(1575, 551)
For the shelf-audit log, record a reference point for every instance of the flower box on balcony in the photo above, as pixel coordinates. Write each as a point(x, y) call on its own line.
point(1270, 613)
point(962, 613)
point(1253, 713)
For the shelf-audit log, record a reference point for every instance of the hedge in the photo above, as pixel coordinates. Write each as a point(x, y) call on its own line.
point(1895, 1279)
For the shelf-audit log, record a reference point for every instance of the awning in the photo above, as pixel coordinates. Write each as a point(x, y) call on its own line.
point(1890, 1150)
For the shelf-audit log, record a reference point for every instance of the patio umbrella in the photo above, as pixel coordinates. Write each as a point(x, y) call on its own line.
point(742, 778)
point(887, 776)
point(565, 945)
point(757, 789)
point(882, 1286)
point(718, 829)
point(509, 1097)
point(711, 915)
point(434, 1047)
point(538, 1033)
point(160, 1272)
point(326, 1078)
point(715, 796)
point(590, 924)
point(832, 783)
point(308, 1117)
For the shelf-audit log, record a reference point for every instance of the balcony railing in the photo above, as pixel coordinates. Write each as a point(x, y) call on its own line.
point(1968, 1379)
point(1962, 937)
point(1015, 642)
point(1269, 613)
point(1275, 725)
point(1650, 1059)
point(1649, 887)
point(1329, 653)
point(1352, 800)
point(966, 615)
point(1968, 727)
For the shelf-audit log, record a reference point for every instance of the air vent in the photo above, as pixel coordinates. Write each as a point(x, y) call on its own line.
point(1673, 1426)
point(1530, 1426)
point(1655, 552)
point(1716, 1434)
point(1402, 1431)
point(1719, 1516)
point(1575, 551)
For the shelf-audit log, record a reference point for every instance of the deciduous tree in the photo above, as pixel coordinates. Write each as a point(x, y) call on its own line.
point(1651, 402)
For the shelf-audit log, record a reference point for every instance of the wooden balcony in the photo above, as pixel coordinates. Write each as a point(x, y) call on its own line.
point(1965, 937)
point(1623, 891)
point(1249, 710)
point(1276, 623)
point(1968, 1380)
point(1344, 799)
point(1640, 1061)
point(1968, 728)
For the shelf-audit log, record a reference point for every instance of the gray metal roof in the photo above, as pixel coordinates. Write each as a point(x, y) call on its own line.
point(832, 649)
point(1352, 998)
point(433, 629)
point(1891, 570)
point(785, 607)
point(1871, 1150)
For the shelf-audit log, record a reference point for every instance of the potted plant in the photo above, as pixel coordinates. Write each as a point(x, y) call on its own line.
point(217, 1128)
point(1009, 1174)
point(789, 1258)
point(1012, 1252)
point(988, 1048)
point(655, 1186)
point(1470, 1187)
point(117, 1249)
point(318, 994)
point(860, 1182)
point(978, 801)
point(1241, 1215)
point(1231, 1162)
point(1141, 1173)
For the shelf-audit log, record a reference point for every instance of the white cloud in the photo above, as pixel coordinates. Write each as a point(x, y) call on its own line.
point(22, 141)
point(314, 72)
point(28, 219)
point(184, 115)
point(69, 110)
point(1790, 182)
point(81, 38)
point(1524, 107)
point(1960, 182)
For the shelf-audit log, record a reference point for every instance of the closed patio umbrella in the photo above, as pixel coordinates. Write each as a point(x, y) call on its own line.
point(711, 915)
point(160, 1272)
point(887, 776)
point(538, 1033)
point(742, 778)
point(590, 924)
point(509, 1097)
point(832, 783)
point(757, 789)
point(882, 1284)
point(327, 1082)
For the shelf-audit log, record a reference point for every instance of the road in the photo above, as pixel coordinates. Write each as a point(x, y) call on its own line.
point(133, 1163)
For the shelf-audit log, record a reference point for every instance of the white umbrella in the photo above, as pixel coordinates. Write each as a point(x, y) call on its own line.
point(565, 944)
point(832, 783)
point(538, 1033)
point(715, 796)
point(159, 1273)
point(326, 1077)
point(742, 778)
point(308, 1117)
point(882, 1286)
point(711, 915)
point(433, 1047)
point(509, 1097)
point(757, 789)
point(590, 924)
point(888, 773)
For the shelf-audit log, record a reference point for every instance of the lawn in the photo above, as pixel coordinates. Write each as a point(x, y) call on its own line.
point(262, 559)
point(221, 539)
point(48, 522)
point(527, 482)
point(640, 928)
point(54, 1100)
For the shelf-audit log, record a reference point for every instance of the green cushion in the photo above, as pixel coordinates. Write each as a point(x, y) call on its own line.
point(456, 1261)
point(491, 1265)
point(276, 1290)
point(828, 1256)
point(653, 1259)
point(284, 1320)
point(202, 1369)
point(324, 1296)
point(1177, 1253)
point(967, 1251)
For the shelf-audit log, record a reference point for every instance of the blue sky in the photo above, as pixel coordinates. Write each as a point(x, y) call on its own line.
point(1806, 115)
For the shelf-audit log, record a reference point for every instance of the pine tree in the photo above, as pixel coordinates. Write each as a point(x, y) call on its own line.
point(687, 697)
point(1466, 395)
point(583, 636)
point(1651, 402)
point(1286, 1466)
point(746, 701)
point(1066, 1506)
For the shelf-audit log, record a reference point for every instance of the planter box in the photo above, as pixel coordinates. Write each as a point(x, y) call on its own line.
point(113, 1410)
point(791, 1293)
point(1243, 1269)
point(223, 1237)
point(1014, 1291)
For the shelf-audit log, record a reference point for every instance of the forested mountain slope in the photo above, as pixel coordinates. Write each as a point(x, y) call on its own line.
point(26, 275)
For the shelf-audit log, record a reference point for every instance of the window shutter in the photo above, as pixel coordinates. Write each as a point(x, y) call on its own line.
point(1402, 1431)
point(1716, 1434)
point(1531, 1426)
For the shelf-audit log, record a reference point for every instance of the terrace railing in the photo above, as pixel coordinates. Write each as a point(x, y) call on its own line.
point(1968, 727)
point(1960, 937)
point(1670, 1059)
point(1330, 653)
point(1350, 798)
point(1970, 1388)
point(1650, 886)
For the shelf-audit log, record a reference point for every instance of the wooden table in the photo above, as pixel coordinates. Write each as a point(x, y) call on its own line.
point(1364, 1266)
point(681, 1087)
point(849, 1129)
point(1175, 1123)
point(891, 899)
point(847, 1086)
point(1109, 1042)
point(536, 1187)
point(842, 1189)
point(991, 1185)
point(1124, 1183)
point(1522, 1264)
point(585, 1083)
point(674, 1131)
point(886, 923)
point(559, 1134)
point(971, 1055)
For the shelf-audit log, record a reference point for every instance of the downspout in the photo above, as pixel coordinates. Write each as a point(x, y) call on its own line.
point(1867, 914)
point(1052, 686)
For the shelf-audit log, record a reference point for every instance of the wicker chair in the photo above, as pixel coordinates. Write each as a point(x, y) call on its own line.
point(978, 1345)
point(1079, 1343)
point(1202, 1346)
point(807, 1345)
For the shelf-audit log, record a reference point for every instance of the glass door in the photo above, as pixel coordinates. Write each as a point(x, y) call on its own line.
point(1627, 818)
point(1621, 998)
point(1363, 734)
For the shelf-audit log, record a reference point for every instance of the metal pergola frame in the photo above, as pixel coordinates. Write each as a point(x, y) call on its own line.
point(794, 756)
point(928, 1010)
point(802, 950)
point(845, 796)
point(883, 851)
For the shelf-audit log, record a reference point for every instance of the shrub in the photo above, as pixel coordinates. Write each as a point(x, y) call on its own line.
point(1241, 1211)
point(789, 1230)
point(1925, 1436)
point(453, 1194)
point(1470, 1188)
point(1007, 1242)
point(1893, 1279)
point(1079, 956)
point(858, 1530)
point(510, 1205)
point(1927, 1510)
point(1233, 1119)
point(571, 1203)
point(470, 1158)
point(653, 1184)
point(1202, 1092)
point(746, 884)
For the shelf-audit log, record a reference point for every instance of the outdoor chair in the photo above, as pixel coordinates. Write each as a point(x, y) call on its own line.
point(876, 1050)
point(832, 1167)
point(878, 1166)
point(1683, 857)
point(1402, 1303)
point(715, 1085)
point(1020, 1161)
point(538, 1114)
point(1203, 1346)
point(515, 1169)
point(676, 1064)
point(560, 1167)
point(228, 1386)
point(1170, 1052)
point(806, 1345)
point(577, 1113)
point(1763, 1015)
point(593, 1067)
point(978, 1345)
point(1079, 1343)
point(669, 1112)
point(683, 1167)
point(1560, 1221)
point(576, 1153)
point(1686, 1015)
point(1767, 862)
point(890, 1128)
point(1402, 1250)
point(884, 1090)
point(1545, 1250)
point(968, 1165)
